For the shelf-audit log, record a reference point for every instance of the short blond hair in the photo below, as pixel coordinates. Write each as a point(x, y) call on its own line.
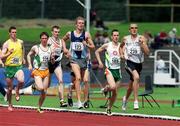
point(79, 18)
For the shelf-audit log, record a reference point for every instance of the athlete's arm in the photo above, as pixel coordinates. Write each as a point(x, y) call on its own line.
point(144, 45)
point(5, 51)
point(67, 36)
point(31, 52)
point(97, 53)
point(121, 49)
point(24, 61)
point(89, 43)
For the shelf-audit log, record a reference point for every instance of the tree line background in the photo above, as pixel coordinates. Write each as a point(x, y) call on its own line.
point(108, 10)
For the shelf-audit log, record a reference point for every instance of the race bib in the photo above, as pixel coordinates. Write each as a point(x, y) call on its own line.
point(115, 61)
point(57, 51)
point(134, 51)
point(77, 46)
point(15, 60)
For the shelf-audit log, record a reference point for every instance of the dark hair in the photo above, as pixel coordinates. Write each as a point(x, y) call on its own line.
point(55, 26)
point(114, 30)
point(12, 27)
point(44, 33)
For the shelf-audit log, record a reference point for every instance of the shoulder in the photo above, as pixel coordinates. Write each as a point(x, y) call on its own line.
point(20, 41)
point(5, 44)
point(49, 41)
point(106, 45)
point(87, 34)
point(35, 47)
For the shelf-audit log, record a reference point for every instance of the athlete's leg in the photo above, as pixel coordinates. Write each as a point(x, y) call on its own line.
point(86, 85)
point(20, 77)
point(38, 83)
point(45, 83)
point(9, 92)
point(135, 84)
point(129, 90)
point(112, 87)
point(58, 73)
point(76, 70)
point(71, 87)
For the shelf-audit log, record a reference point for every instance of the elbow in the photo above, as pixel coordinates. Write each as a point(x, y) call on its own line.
point(147, 52)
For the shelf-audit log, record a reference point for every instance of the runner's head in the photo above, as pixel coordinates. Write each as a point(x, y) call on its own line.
point(44, 38)
point(80, 22)
point(12, 32)
point(133, 29)
point(115, 35)
point(55, 31)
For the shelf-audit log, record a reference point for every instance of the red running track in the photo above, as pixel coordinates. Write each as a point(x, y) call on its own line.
point(25, 117)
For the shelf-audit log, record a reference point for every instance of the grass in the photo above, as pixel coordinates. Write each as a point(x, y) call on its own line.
point(164, 96)
point(32, 34)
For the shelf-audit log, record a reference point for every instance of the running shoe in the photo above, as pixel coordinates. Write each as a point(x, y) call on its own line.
point(70, 102)
point(104, 91)
point(124, 103)
point(86, 104)
point(39, 110)
point(5, 98)
point(33, 87)
point(63, 103)
point(17, 97)
point(80, 106)
point(10, 108)
point(136, 106)
point(108, 111)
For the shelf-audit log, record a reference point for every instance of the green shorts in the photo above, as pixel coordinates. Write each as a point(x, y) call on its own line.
point(116, 73)
point(10, 71)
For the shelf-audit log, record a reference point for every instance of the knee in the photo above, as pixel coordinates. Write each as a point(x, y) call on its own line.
point(136, 78)
point(9, 89)
point(21, 80)
point(78, 78)
point(43, 93)
point(85, 81)
point(60, 82)
point(130, 88)
point(113, 88)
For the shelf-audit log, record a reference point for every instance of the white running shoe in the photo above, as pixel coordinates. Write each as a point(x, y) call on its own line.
point(136, 106)
point(124, 103)
point(5, 98)
point(80, 106)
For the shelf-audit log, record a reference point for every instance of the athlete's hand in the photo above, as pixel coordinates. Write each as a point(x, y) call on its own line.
point(11, 51)
point(101, 65)
point(24, 61)
point(52, 59)
point(141, 40)
point(85, 43)
point(122, 57)
point(30, 67)
point(67, 55)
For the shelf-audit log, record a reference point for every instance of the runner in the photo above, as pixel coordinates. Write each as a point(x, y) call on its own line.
point(13, 53)
point(113, 68)
point(57, 46)
point(81, 42)
point(41, 53)
point(133, 48)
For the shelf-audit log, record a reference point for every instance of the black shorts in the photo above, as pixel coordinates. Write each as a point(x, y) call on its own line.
point(52, 67)
point(131, 66)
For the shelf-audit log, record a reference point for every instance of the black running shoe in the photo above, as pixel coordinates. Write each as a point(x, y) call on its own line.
point(70, 102)
point(86, 104)
point(108, 111)
point(63, 104)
